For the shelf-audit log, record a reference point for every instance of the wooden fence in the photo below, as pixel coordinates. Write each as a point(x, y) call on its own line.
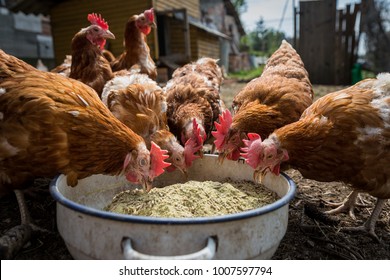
point(328, 41)
point(346, 45)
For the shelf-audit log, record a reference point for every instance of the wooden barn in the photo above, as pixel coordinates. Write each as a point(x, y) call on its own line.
point(180, 37)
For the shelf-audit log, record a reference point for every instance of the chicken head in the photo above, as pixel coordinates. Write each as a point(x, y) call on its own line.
point(142, 166)
point(167, 141)
point(228, 141)
point(145, 21)
point(98, 32)
point(263, 156)
point(193, 137)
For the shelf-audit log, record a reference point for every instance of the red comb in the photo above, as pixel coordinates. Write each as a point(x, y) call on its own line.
point(196, 133)
point(225, 120)
point(149, 14)
point(190, 148)
point(157, 163)
point(251, 158)
point(98, 20)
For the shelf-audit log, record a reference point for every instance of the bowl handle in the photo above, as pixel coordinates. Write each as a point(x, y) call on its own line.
point(207, 253)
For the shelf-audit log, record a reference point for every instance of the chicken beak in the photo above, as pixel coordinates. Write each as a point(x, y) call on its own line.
point(221, 158)
point(183, 170)
point(147, 184)
point(109, 35)
point(185, 174)
point(258, 175)
point(153, 24)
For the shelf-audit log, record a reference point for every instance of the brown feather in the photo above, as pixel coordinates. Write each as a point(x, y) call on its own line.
point(136, 51)
point(342, 137)
point(193, 92)
point(276, 98)
point(88, 63)
point(51, 124)
point(284, 87)
point(140, 111)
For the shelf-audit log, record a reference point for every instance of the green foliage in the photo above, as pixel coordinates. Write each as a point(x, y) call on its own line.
point(240, 5)
point(263, 41)
point(247, 75)
point(368, 74)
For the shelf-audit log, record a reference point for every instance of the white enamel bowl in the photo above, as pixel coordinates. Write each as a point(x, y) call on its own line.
point(92, 233)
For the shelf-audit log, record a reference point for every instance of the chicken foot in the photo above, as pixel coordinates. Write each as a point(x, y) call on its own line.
point(348, 205)
point(369, 225)
point(15, 238)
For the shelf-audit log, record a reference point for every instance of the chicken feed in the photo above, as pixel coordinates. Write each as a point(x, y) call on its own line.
point(193, 199)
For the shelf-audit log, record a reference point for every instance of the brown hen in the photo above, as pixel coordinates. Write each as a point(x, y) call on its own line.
point(344, 136)
point(51, 124)
point(137, 51)
point(194, 101)
point(89, 65)
point(276, 98)
point(138, 102)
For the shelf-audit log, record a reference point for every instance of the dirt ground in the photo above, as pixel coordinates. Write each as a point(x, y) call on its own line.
point(309, 235)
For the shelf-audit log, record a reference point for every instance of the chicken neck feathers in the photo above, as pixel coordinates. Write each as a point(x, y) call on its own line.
point(88, 64)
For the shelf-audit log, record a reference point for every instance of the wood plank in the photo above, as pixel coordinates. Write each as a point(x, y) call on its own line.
point(317, 39)
point(69, 17)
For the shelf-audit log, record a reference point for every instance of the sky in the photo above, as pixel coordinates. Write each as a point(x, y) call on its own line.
point(272, 13)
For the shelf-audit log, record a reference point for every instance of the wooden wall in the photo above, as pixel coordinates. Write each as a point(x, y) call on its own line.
point(68, 17)
point(176, 41)
point(317, 39)
point(207, 45)
point(202, 43)
point(192, 6)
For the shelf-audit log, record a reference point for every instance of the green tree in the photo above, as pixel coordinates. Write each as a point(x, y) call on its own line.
point(262, 40)
point(375, 24)
point(240, 5)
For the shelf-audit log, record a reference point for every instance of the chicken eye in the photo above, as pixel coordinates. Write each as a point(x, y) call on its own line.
point(142, 162)
point(270, 156)
point(96, 29)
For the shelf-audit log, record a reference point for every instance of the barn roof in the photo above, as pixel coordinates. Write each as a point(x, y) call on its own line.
point(44, 6)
